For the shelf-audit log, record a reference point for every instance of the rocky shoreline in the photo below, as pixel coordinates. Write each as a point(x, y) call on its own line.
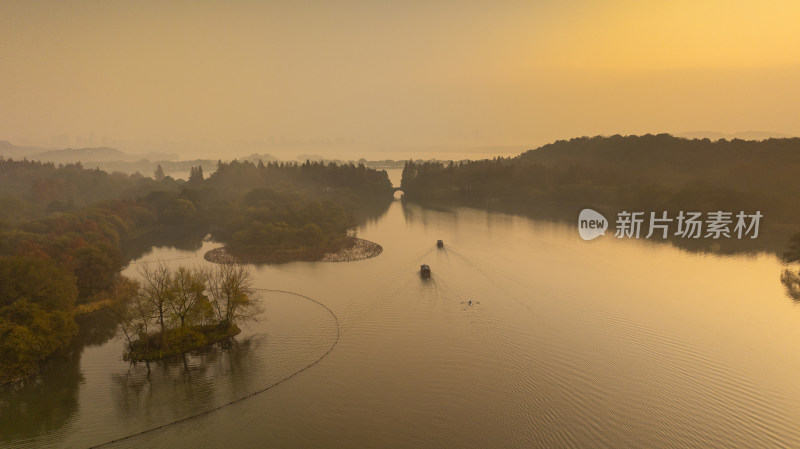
point(360, 250)
point(219, 255)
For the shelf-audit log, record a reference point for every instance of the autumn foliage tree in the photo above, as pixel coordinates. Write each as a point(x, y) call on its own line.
point(190, 307)
point(36, 306)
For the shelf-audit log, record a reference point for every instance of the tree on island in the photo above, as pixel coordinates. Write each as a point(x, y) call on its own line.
point(232, 294)
point(191, 308)
point(188, 301)
point(156, 291)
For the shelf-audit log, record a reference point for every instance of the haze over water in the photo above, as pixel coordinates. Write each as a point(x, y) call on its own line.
point(609, 343)
point(567, 343)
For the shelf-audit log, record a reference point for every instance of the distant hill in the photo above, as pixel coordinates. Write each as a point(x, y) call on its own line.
point(9, 150)
point(634, 173)
point(99, 154)
point(72, 155)
point(769, 165)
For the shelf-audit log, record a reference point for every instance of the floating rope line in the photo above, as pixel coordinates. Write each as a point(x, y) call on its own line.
point(257, 392)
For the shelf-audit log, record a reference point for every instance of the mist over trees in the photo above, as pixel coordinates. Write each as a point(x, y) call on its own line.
point(31, 190)
point(261, 219)
point(158, 175)
point(196, 175)
point(640, 173)
point(73, 222)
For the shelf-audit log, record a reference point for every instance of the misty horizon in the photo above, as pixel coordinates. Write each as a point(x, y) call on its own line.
point(326, 149)
point(230, 78)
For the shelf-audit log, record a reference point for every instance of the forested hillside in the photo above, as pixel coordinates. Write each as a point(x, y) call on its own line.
point(62, 230)
point(639, 173)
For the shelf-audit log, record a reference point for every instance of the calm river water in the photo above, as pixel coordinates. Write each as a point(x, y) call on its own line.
point(568, 343)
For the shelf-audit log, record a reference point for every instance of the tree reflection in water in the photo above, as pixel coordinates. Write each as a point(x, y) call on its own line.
point(791, 280)
point(178, 387)
point(44, 403)
point(187, 238)
point(47, 402)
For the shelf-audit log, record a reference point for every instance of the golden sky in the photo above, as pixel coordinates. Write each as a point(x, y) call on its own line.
point(214, 75)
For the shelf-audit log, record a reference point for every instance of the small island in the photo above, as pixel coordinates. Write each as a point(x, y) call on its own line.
point(187, 308)
point(179, 341)
point(355, 249)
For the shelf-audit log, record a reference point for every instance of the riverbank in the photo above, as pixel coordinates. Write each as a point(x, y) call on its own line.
point(359, 249)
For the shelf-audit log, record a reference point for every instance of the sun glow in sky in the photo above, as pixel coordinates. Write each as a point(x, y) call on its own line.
point(212, 76)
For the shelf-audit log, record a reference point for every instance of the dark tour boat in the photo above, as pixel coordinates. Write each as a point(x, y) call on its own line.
point(425, 271)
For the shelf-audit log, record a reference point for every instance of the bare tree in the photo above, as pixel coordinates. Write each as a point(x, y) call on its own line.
point(122, 293)
point(188, 288)
point(157, 291)
point(134, 316)
point(232, 294)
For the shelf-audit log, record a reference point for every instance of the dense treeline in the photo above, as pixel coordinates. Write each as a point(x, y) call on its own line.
point(270, 225)
point(357, 181)
point(74, 223)
point(30, 189)
point(746, 166)
point(277, 212)
point(53, 264)
point(61, 228)
point(634, 173)
point(85, 243)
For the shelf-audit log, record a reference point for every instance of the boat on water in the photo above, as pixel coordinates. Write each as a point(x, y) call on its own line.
point(440, 243)
point(425, 271)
